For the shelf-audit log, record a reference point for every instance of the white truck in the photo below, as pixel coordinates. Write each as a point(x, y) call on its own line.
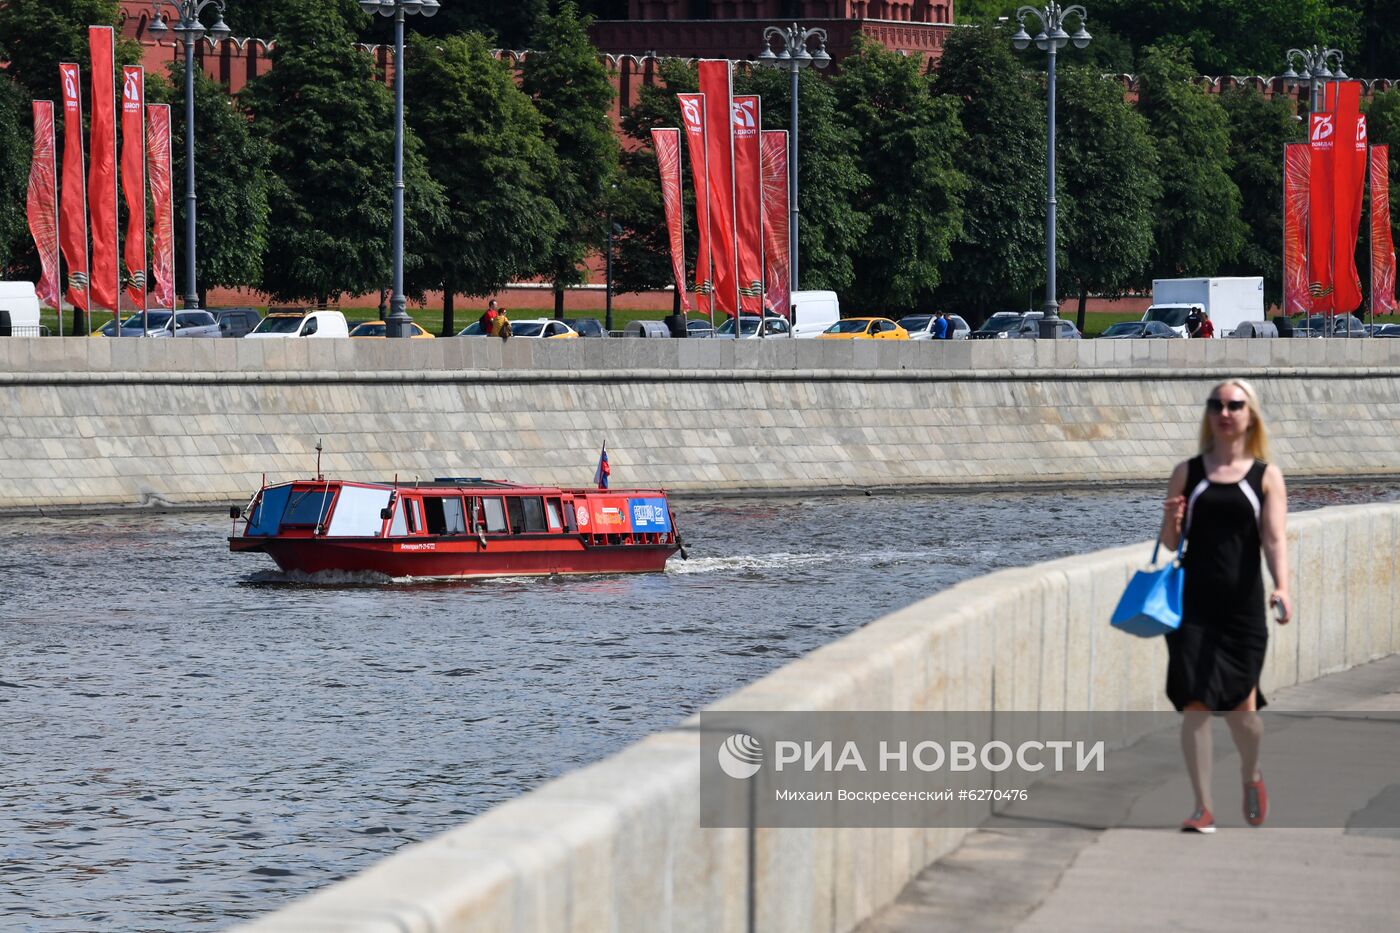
point(19, 310)
point(813, 312)
point(1228, 302)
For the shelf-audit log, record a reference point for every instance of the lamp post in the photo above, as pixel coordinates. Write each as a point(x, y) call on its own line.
point(189, 30)
point(794, 53)
point(398, 324)
point(1050, 39)
point(1314, 63)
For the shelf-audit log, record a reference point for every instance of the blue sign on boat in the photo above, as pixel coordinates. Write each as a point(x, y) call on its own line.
point(649, 515)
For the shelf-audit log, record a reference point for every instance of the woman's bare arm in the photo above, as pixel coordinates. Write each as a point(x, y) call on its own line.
point(1174, 508)
point(1273, 535)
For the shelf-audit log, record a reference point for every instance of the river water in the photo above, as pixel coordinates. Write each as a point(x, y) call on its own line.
point(188, 738)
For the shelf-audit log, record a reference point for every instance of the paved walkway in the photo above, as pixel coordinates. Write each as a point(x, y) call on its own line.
point(1072, 878)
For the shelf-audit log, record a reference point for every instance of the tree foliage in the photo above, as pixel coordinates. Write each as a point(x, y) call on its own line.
point(16, 142)
point(1198, 228)
point(35, 35)
point(912, 201)
point(231, 183)
point(329, 125)
point(1259, 128)
point(486, 150)
point(1108, 186)
point(570, 87)
point(1000, 254)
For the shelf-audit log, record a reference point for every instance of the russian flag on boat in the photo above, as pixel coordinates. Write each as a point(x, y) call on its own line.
point(600, 476)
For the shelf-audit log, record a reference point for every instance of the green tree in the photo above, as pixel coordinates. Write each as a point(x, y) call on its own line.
point(16, 146)
point(570, 87)
point(231, 182)
point(35, 35)
point(487, 152)
point(999, 256)
point(1230, 36)
point(913, 200)
point(1199, 229)
point(1259, 128)
point(1108, 187)
point(329, 125)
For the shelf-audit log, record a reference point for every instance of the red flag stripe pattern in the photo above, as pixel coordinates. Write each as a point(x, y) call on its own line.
point(1322, 142)
point(776, 264)
point(667, 143)
point(102, 173)
point(693, 121)
point(748, 200)
point(72, 217)
point(1382, 243)
point(1296, 162)
point(717, 84)
point(1349, 178)
point(133, 176)
point(41, 203)
point(162, 294)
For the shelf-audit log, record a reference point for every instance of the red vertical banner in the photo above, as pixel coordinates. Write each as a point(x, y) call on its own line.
point(41, 204)
point(776, 261)
point(1382, 244)
point(162, 279)
point(667, 143)
point(1321, 147)
point(1296, 162)
point(72, 217)
point(102, 172)
point(748, 199)
point(1349, 181)
point(693, 118)
point(133, 176)
point(717, 85)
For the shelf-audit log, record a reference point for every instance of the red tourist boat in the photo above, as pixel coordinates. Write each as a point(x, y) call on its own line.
point(458, 527)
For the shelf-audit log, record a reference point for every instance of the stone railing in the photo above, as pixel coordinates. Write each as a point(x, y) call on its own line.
point(618, 846)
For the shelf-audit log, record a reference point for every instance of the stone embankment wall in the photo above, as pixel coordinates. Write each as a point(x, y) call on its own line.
point(94, 421)
point(617, 845)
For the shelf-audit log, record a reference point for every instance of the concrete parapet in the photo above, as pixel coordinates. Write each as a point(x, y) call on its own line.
point(151, 422)
point(617, 845)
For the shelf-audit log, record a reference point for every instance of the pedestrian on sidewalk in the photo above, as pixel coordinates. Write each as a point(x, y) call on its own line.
point(1230, 503)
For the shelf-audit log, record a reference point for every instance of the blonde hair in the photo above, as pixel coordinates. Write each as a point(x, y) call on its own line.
point(1256, 440)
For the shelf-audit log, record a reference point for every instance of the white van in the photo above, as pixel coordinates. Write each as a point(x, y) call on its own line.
point(19, 310)
point(814, 312)
point(307, 324)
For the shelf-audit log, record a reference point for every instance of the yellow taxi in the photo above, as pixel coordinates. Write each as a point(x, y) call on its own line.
point(864, 328)
point(376, 329)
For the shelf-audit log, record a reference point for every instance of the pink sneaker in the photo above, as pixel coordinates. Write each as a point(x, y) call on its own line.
point(1256, 802)
point(1200, 822)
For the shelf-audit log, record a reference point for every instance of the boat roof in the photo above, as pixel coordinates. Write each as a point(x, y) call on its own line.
point(473, 482)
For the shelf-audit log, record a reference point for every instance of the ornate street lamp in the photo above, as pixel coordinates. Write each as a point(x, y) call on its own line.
point(189, 30)
point(795, 51)
point(1314, 70)
point(1050, 38)
point(398, 323)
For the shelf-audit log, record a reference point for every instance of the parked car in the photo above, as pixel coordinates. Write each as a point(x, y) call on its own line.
point(1002, 324)
point(813, 312)
point(542, 328)
point(157, 324)
point(1342, 325)
point(1029, 328)
point(920, 326)
point(699, 329)
point(1385, 330)
point(750, 326)
point(864, 328)
point(301, 324)
point(586, 326)
point(378, 329)
point(236, 322)
point(1138, 330)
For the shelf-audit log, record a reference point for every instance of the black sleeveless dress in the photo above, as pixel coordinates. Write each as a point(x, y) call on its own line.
point(1218, 653)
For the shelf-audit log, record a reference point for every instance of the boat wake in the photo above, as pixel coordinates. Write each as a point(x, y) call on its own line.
point(746, 562)
point(321, 578)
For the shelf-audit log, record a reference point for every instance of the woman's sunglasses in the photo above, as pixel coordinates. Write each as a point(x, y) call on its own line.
point(1215, 406)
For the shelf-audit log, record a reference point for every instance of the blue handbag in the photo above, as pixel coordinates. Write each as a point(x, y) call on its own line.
point(1151, 605)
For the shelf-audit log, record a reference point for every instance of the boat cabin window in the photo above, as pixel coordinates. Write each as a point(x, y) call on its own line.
point(307, 506)
point(533, 507)
point(407, 518)
point(399, 526)
point(516, 511)
point(551, 508)
point(495, 513)
point(444, 515)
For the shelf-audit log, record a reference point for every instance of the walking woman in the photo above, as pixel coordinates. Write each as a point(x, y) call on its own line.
point(1229, 502)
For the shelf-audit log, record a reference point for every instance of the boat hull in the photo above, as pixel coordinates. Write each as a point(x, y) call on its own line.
point(456, 557)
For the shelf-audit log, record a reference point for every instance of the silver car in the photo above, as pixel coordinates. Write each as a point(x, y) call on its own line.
point(158, 324)
point(920, 326)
